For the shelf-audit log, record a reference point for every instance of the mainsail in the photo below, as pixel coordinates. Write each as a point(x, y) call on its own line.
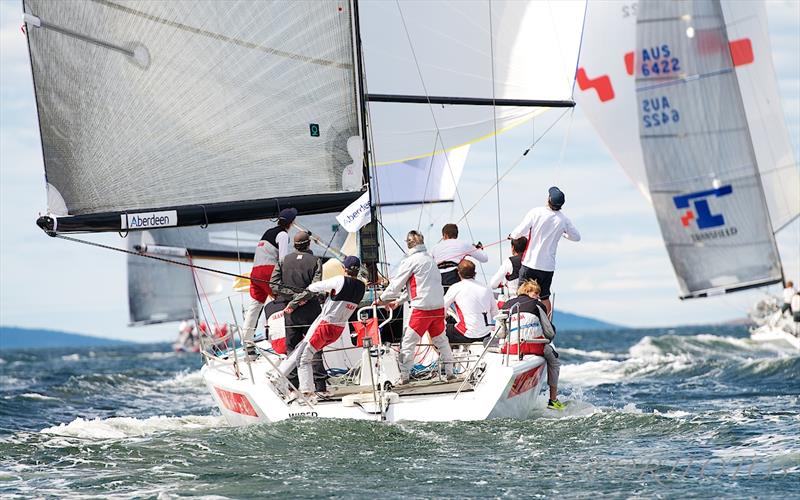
point(156, 113)
point(606, 94)
point(701, 167)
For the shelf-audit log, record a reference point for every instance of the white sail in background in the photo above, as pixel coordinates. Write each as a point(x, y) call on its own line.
point(605, 91)
point(701, 166)
point(147, 104)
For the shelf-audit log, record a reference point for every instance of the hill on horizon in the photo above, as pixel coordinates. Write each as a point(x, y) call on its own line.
point(565, 321)
point(12, 337)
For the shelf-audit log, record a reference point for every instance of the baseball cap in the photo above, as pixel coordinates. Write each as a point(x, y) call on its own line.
point(301, 238)
point(288, 214)
point(556, 197)
point(351, 262)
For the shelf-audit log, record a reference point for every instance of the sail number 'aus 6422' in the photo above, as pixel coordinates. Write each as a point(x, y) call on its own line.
point(659, 61)
point(657, 111)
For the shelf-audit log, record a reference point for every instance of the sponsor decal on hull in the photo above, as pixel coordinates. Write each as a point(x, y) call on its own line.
point(235, 402)
point(526, 381)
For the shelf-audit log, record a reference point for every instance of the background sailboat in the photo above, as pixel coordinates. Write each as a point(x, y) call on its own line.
point(717, 43)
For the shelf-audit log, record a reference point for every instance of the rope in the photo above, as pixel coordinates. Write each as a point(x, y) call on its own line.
point(175, 262)
point(513, 165)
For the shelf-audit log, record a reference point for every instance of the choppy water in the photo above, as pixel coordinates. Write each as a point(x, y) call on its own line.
point(653, 413)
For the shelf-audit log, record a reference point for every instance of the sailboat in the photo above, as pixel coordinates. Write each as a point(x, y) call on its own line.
point(160, 116)
point(687, 102)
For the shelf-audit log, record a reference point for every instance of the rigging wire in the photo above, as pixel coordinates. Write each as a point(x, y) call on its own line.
point(513, 165)
point(496, 147)
point(428, 179)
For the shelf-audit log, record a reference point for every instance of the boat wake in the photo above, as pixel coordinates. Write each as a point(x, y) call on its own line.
point(129, 427)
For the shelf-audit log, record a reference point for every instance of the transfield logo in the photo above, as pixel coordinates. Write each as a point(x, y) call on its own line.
point(695, 210)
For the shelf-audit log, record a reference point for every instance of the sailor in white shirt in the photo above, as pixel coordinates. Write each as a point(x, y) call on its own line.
point(417, 280)
point(544, 227)
point(449, 252)
point(475, 307)
point(788, 292)
point(508, 273)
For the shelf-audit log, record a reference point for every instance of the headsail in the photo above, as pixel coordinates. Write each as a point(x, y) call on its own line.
point(697, 149)
point(192, 112)
point(504, 51)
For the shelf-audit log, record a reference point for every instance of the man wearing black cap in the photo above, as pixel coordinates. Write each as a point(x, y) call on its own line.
point(271, 249)
point(298, 270)
point(544, 227)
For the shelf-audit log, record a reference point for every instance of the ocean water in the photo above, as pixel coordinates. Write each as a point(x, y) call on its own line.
point(693, 412)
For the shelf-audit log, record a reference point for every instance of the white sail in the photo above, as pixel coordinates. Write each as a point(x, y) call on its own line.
point(147, 104)
point(605, 91)
point(700, 162)
point(477, 49)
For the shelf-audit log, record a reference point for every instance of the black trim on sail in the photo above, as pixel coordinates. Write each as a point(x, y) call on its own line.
point(720, 291)
point(470, 101)
point(202, 215)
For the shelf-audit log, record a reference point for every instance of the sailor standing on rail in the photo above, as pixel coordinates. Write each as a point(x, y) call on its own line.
point(449, 252)
point(417, 278)
point(544, 227)
point(271, 249)
point(344, 295)
point(301, 307)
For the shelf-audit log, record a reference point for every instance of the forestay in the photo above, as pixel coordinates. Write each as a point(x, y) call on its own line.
point(696, 145)
point(211, 105)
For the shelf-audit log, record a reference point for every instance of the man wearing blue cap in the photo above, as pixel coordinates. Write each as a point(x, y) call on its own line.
point(544, 227)
point(271, 249)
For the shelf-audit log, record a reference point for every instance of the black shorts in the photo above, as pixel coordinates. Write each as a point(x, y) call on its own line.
point(544, 278)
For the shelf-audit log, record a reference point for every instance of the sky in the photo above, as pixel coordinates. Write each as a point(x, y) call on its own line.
point(619, 272)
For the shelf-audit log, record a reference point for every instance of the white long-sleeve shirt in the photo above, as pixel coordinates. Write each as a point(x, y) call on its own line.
point(475, 307)
point(788, 293)
point(455, 250)
point(417, 278)
point(544, 228)
point(500, 277)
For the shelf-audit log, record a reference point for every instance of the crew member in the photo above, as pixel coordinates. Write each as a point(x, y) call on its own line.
point(271, 249)
point(449, 252)
point(788, 292)
point(344, 295)
point(292, 276)
point(417, 279)
point(508, 273)
point(475, 307)
point(533, 322)
point(544, 227)
point(796, 313)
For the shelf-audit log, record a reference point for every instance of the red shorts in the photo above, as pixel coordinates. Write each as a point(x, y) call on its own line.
point(431, 321)
point(325, 334)
point(260, 290)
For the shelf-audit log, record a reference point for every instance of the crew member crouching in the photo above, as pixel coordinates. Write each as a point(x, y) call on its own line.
point(529, 320)
point(344, 295)
point(475, 307)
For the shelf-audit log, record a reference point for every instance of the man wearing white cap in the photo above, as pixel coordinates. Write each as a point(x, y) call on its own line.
point(544, 227)
point(271, 249)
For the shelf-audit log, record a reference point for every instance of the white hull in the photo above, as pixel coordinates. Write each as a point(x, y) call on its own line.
point(776, 333)
point(503, 391)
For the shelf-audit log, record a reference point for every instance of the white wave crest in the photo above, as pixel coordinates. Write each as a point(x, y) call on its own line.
point(587, 354)
point(127, 427)
point(71, 357)
point(185, 379)
point(157, 355)
point(36, 395)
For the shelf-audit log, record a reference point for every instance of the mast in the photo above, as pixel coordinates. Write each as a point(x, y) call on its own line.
point(368, 235)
